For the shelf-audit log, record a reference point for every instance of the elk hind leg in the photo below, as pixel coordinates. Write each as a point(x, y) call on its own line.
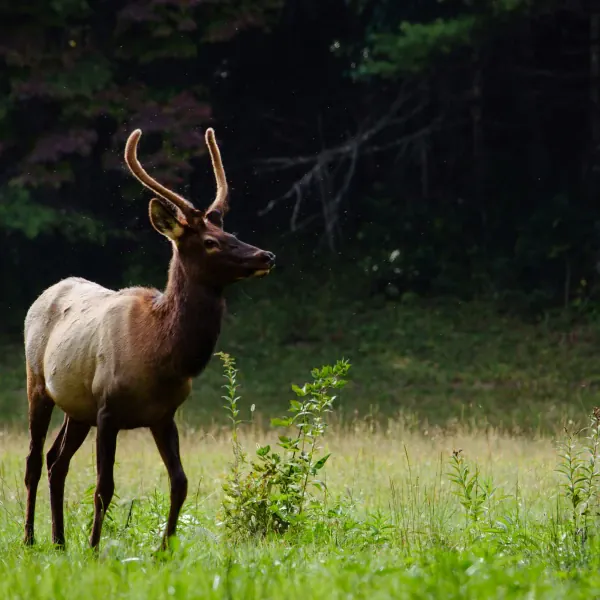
point(67, 442)
point(40, 413)
point(106, 447)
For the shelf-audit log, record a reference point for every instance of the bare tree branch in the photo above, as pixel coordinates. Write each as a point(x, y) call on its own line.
point(359, 139)
point(323, 168)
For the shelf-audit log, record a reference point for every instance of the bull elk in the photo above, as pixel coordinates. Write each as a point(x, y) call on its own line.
point(125, 359)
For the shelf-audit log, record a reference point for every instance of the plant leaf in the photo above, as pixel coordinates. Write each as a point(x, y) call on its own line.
point(321, 462)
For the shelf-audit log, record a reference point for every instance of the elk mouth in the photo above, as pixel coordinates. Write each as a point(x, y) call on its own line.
point(256, 272)
point(259, 267)
point(259, 273)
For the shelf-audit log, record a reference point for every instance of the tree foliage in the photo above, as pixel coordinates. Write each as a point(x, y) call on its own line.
point(460, 138)
point(79, 76)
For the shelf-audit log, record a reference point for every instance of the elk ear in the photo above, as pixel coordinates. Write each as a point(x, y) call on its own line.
point(215, 217)
point(164, 219)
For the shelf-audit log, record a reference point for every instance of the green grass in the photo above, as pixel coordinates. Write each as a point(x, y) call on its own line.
point(401, 532)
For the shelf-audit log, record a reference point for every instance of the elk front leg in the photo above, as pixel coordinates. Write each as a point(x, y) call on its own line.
point(106, 447)
point(67, 442)
point(40, 413)
point(166, 437)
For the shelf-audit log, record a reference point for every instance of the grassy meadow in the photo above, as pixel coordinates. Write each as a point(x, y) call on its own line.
point(399, 530)
point(448, 475)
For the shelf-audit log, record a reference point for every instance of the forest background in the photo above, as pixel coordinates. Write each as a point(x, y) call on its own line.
point(427, 173)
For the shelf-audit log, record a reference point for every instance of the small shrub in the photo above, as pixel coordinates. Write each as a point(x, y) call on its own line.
point(473, 491)
point(579, 469)
point(273, 491)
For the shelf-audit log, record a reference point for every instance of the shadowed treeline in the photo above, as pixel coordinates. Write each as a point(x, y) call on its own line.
point(450, 148)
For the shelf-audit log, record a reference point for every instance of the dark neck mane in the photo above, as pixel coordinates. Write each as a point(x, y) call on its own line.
point(191, 311)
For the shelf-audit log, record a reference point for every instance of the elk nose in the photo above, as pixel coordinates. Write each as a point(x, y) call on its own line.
point(269, 257)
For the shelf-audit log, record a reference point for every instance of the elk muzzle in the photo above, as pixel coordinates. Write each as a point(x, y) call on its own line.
point(268, 259)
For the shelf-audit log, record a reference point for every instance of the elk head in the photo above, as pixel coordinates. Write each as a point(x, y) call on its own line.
point(204, 248)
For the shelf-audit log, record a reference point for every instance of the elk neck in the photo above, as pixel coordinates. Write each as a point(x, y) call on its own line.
point(191, 310)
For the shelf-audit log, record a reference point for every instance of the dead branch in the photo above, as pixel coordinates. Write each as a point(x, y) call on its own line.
point(321, 169)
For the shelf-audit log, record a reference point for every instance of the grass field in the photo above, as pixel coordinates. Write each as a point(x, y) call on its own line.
point(427, 378)
point(402, 532)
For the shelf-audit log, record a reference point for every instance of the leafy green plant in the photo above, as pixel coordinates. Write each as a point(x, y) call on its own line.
point(231, 406)
point(579, 469)
point(274, 491)
point(473, 491)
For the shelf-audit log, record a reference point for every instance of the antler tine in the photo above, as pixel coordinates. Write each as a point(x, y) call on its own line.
point(138, 171)
point(220, 202)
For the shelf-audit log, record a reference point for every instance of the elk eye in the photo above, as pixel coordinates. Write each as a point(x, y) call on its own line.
point(210, 243)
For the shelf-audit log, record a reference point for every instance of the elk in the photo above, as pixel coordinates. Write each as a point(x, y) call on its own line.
point(125, 359)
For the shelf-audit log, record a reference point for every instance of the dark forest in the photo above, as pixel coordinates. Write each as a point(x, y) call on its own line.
point(446, 148)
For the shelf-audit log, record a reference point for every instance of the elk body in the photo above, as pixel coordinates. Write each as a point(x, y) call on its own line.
point(125, 359)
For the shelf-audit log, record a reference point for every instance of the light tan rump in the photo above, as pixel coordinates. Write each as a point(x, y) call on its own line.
point(78, 337)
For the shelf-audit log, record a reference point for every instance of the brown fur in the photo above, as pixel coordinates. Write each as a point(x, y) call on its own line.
point(125, 359)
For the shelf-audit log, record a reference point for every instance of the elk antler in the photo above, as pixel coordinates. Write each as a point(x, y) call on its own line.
point(138, 171)
point(220, 202)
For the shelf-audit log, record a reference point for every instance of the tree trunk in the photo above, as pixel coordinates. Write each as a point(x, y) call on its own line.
point(478, 149)
point(424, 159)
point(594, 155)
